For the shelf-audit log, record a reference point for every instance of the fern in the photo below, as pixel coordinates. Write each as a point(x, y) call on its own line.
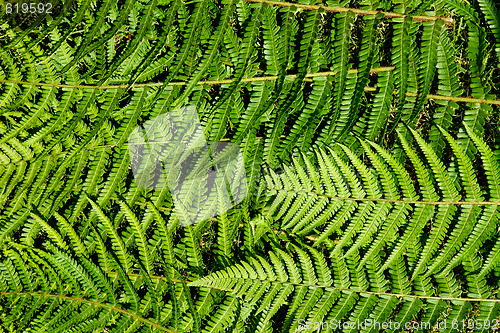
point(368, 138)
point(370, 208)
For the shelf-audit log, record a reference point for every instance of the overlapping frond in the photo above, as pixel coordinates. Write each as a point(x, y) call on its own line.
point(367, 207)
point(366, 130)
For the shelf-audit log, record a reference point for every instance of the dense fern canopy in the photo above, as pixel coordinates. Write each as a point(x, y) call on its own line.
point(370, 135)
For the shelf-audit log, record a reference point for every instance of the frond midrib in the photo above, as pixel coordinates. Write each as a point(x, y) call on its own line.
point(350, 290)
point(458, 203)
point(88, 301)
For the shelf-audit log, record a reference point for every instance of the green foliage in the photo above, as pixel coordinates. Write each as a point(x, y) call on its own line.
point(371, 148)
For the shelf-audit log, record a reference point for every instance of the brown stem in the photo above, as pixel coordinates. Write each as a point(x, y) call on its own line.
point(447, 20)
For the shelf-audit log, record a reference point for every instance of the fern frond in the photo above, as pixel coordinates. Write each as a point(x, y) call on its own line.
point(365, 197)
point(492, 15)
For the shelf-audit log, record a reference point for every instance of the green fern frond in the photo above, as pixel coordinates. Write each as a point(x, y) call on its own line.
point(367, 134)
